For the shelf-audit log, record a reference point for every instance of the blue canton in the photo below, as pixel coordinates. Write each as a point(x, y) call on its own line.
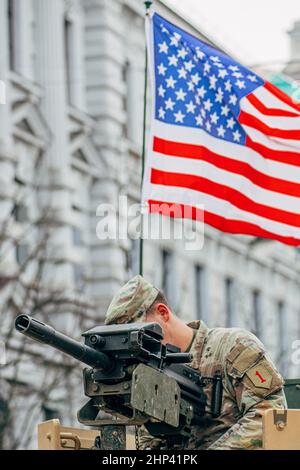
point(198, 86)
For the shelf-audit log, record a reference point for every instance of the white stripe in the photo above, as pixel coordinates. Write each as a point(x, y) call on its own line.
point(227, 149)
point(277, 122)
point(217, 206)
point(271, 101)
point(274, 143)
point(232, 180)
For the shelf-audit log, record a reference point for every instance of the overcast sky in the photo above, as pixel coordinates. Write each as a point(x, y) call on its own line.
point(254, 30)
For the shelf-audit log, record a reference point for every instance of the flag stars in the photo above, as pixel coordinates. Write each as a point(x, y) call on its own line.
point(208, 126)
point(219, 96)
point(163, 48)
point(199, 53)
point(163, 28)
point(180, 94)
point(222, 73)
point(207, 104)
point(161, 113)
point(201, 91)
point(213, 81)
point(228, 86)
point(236, 136)
point(179, 116)
point(189, 65)
point(191, 86)
point(230, 123)
point(173, 60)
point(182, 53)
point(240, 84)
point(169, 104)
point(221, 131)
point(225, 110)
point(252, 78)
point(199, 120)
point(175, 39)
point(233, 99)
point(196, 78)
point(206, 67)
point(234, 68)
point(237, 75)
point(161, 69)
point(190, 107)
point(170, 82)
point(182, 73)
point(161, 91)
point(214, 118)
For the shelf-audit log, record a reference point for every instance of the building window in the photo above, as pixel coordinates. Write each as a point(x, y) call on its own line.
point(283, 338)
point(12, 33)
point(167, 275)
point(77, 236)
point(78, 276)
point(200, 291)
point(230, 302)
point(20, 213)
point(126, 96)
point(68, 30)
point(257, 314)
point(22, 253)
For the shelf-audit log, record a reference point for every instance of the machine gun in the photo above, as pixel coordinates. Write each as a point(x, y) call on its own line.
point(134, 378)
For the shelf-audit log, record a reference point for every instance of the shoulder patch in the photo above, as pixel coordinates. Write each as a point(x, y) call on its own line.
point(260, 376)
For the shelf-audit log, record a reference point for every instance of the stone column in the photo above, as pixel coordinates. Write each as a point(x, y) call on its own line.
point(23, 16)
point(56, 175)
point(5, 109)
point(76, 17)
point(105, 87)
point(6, 143)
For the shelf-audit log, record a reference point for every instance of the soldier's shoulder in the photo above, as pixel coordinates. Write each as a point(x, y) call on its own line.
point(232, 337)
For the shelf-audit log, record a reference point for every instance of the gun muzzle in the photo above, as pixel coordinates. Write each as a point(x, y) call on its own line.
point(43, 333)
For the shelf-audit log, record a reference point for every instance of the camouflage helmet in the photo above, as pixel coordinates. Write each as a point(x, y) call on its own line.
point(132, 301)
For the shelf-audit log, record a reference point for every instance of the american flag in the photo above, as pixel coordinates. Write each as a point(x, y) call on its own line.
point(222, 138)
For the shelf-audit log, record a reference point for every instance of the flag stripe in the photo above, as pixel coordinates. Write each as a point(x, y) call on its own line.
point(281, 96)
point(220, 223)
point(282, 156)
point(275, 143)
point(197, 152)
point(218, 206)
point(252, 121)
point(271, 166)
point(280, 122)
point(262, 108)
point(238, 199)
point(271, 100)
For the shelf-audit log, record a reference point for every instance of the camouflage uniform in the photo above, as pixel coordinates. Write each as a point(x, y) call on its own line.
point(251, 383)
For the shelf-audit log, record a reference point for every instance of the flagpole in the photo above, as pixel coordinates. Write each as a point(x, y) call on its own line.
point(141, 253)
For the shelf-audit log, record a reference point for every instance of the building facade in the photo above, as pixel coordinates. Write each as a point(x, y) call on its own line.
point(71, 141)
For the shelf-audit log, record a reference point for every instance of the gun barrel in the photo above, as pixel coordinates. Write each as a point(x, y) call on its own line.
point(43, 333)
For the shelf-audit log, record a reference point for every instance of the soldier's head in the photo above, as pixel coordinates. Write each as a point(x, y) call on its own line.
point(140, 301)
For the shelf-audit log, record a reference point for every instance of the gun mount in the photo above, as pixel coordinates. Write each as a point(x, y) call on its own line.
point(133, 377)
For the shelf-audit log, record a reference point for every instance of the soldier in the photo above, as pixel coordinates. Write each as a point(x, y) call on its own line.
point(251, 383)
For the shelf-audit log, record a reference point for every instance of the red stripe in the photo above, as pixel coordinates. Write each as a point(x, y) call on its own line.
point(269, 111)
point(198, 152)
point(218, 222)
point(282, 156)
point(252, 121)
point(239, 200)
point(282, 96)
